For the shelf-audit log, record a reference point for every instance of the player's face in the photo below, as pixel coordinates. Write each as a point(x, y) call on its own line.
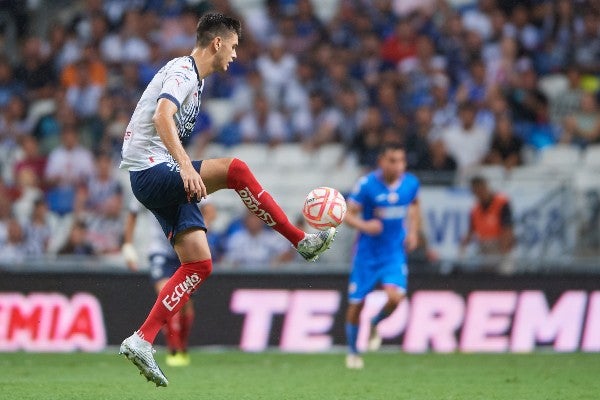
point(393, 164)
point(226, 52)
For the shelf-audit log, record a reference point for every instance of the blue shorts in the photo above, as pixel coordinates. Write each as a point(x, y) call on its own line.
point(162, 266)
point(160, 189)
point(365, 277)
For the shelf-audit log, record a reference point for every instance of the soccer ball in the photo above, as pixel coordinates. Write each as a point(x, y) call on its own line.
point(324, 207)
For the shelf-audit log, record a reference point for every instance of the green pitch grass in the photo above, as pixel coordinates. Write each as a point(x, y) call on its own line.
point(237, 376)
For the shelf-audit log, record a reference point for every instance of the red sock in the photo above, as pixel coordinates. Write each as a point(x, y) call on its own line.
point(174, 295)
point(260, 202)
point(186, 321)
point(172, 332)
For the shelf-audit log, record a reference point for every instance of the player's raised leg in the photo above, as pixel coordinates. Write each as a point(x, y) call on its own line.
point(233, 173)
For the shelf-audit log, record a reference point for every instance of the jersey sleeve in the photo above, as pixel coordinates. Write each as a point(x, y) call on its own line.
point(179, 83)
point(359, 192)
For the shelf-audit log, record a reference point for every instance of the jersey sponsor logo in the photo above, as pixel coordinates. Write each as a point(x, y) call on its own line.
point(253, 205)
point(188, 285)
point(393, 212)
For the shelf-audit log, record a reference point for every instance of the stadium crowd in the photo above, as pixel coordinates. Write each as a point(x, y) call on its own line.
point(460, 83)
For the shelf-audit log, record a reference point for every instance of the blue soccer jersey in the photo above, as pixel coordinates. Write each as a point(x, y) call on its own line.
point(380, 259)
point(390, 205)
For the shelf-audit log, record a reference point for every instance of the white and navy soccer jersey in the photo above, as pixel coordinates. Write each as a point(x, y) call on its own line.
point(179, 82)
point(380, 259)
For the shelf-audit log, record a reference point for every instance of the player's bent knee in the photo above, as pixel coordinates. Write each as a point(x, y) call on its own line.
point(198, 271)
point(236, 173)
point(396, 298)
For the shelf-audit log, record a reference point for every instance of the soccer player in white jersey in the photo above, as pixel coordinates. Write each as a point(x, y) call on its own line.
point(167, 182)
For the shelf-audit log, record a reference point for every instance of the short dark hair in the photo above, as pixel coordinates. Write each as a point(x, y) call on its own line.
point(212, 25)
point(478, 180)
point(390, 146)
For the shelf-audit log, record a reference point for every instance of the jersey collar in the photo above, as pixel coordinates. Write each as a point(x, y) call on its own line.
point(394, 185)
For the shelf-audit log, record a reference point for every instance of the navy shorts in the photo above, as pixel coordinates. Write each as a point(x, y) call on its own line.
point(162, 266)
point(160, 189)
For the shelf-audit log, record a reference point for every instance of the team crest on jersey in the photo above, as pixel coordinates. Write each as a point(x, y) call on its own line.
point(392, 197)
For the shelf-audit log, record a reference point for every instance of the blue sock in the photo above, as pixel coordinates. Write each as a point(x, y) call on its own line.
point(383, 314)
point(351, 337)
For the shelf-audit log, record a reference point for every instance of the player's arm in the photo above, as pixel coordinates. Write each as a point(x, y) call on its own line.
point(470, 234)
point(507, 236)
point(414, 225)
point(167, 131)
point(354, 219)
point(128, 251)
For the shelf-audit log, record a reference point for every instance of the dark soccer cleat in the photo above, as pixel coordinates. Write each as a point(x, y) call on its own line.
point(314, 244)
point(140, 353)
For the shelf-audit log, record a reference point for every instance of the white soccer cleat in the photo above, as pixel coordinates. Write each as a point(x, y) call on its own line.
point(374, 343)
point(354, 361)
point(140, 353)
point(314, 244)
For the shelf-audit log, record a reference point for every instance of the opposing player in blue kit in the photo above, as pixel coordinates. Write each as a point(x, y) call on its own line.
point(168, 183)
point(384, 208)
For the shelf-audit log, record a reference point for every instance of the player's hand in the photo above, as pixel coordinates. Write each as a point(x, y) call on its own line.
point(372, 227)
point(130, 256)
point(192, 182)
point(411, 242)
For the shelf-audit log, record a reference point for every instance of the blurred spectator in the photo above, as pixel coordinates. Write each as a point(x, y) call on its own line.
point(29, 191)
point(83, 97)
point(31, 159)
point(13, 120)
point(263, 124)
point(35, 71)
point(77, 243)
point(351, 113)
point(183, 37)
point(69, 166)
point(88, 69)
point(365, 145)
point(583, 126)
point(439, 160)
point(506, 146)
point(5, 213)
point(13, 250)
point(9, 86)
point(255, 247)
point(102, 199)
point(466, 142)
point(491, 221)
point(444, 110)
point(128, 44)
point(587, 44)
point(521, 28)
point(148, 68)
point(418, 138)
point(401, 44)
point(308, 26)
point(318, 123)
point(39, 229)
point(277, 68)
point(478, 19)
point(568, 100)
